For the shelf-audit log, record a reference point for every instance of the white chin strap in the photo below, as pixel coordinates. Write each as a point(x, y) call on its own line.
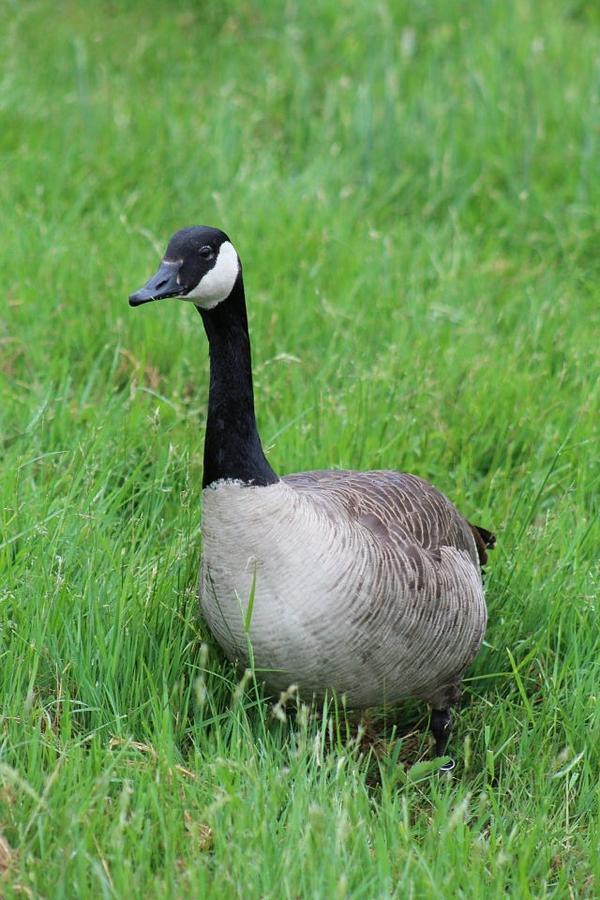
point(218, 283)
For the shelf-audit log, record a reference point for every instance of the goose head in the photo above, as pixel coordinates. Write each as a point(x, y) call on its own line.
point(200, 265)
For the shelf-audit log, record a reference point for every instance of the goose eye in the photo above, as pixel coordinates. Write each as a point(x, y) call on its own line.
point(206, 252)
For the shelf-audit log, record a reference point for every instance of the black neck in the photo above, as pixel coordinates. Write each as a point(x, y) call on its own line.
point(232, 447)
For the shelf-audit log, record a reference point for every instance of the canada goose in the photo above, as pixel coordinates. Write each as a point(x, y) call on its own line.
point(365, 583)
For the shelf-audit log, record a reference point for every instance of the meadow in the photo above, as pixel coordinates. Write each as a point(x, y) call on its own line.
point(413, 189)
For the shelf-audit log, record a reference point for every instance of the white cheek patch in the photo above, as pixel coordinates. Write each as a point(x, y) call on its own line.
point(218, 283)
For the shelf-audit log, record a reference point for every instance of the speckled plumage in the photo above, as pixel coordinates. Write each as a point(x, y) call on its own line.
point(363, 582)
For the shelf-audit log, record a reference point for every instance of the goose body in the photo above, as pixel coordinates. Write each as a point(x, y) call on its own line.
point(365, 583)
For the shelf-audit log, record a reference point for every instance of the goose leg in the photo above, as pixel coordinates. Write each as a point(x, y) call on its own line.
point(441, 725)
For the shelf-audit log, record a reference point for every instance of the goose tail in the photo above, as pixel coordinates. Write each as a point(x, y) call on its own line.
point(484, 541)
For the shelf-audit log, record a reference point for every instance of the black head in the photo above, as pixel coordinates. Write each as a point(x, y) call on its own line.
point(200, 265)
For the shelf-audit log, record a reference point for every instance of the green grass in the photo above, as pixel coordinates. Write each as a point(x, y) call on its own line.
point(414, 190)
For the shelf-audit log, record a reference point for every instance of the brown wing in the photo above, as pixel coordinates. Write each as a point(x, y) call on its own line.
point(396, 506)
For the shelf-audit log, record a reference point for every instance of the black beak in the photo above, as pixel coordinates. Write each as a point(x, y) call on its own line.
point(162, 284)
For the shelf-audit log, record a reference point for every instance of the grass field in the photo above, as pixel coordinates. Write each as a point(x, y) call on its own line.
point(414, 191)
